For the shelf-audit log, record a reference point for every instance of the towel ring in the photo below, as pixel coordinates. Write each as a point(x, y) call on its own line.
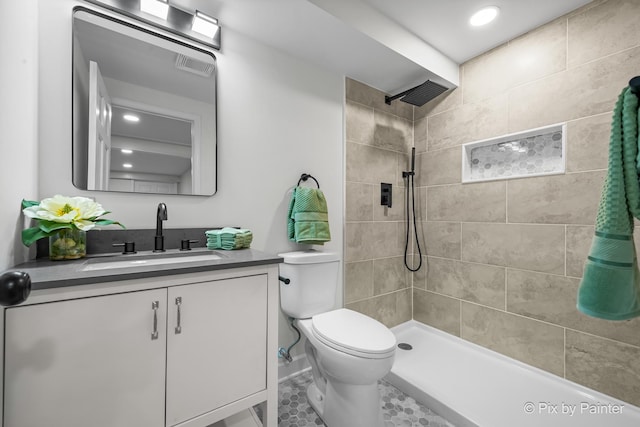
point(634, 84)
point(306, 176)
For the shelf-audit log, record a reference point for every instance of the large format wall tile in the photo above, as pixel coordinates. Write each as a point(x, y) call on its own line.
point(443, 239)
point(358, 281)
point(583, 91)
point(392, 132)
point(536, 343)
point(483, 284)
point(467, 123)
point(369, 164)
point(360, 123)
point(420, 194)
point(389, 274)
point(419, 278)
point(478, 202)
point(603, 30)
point(607, 366)
point(579, 240)
point(359, 201)
point(588, 143)
point(487, 74)
point(556, 199)
point(553, 299)
point(528, 247)
point(358, 241)
point(389, 309)
point(537, 54)
point(440, 167)
point(420, 135)
point(371, 240)
point(436, 310)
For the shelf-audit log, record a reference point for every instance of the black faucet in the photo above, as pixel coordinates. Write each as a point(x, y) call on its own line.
point(161, 216)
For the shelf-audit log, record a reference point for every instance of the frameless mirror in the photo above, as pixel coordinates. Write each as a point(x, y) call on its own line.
point(144, 109)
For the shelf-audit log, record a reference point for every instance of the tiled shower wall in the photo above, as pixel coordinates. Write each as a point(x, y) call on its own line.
point(504, 258)
point(378, 137)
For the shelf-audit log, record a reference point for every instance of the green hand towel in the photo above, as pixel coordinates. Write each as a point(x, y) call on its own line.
point(610, 286)
point(229, 238)
point(308, 218)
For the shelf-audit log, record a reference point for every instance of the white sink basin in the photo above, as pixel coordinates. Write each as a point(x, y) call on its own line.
point(145, 260)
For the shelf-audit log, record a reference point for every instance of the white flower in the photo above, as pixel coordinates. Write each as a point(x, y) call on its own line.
point(79, 211)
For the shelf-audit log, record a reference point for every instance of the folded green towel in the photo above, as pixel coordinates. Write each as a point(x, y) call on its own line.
point(308, 218)
point(610, 286)
point(229, 238)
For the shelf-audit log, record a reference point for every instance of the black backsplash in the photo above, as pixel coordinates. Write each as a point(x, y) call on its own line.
point(101, 241)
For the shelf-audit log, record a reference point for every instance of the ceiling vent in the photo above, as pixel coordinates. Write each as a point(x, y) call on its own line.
point(186, 63)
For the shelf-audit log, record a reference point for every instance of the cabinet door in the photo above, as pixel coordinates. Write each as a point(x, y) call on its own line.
point(86, 362)
point(219, 353)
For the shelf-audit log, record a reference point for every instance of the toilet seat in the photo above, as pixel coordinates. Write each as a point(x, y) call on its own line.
point(354, 333)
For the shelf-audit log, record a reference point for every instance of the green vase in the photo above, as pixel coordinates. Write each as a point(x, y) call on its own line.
point(68, 243)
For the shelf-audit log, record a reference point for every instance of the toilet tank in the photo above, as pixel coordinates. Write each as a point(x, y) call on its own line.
point(314, 282)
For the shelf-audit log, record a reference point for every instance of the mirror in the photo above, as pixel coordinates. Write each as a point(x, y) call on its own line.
point(144, 109)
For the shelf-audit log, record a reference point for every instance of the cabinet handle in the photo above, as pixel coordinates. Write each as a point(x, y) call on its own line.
point(154, 307)
point(178, 303)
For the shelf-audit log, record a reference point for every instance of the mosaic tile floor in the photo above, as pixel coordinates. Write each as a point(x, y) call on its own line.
point(398, 408)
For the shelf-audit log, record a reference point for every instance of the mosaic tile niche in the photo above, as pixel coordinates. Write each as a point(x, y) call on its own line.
point(531, 153)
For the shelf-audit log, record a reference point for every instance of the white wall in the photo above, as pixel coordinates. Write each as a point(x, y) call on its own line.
point(18, 122)
point(277, 118)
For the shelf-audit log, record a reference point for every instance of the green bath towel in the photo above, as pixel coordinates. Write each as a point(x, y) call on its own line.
point(610, 287)
point(308, 218)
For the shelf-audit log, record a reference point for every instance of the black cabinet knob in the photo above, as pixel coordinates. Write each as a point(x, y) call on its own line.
point(15, 287)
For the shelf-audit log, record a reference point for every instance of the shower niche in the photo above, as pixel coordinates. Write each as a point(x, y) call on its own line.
point(533, 152)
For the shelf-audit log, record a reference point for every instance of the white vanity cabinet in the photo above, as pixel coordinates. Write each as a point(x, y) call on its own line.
point(85, 362)
point(184, 350)
point(216, 353)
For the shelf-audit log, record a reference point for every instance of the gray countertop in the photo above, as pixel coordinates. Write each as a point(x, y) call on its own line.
point(114, 267)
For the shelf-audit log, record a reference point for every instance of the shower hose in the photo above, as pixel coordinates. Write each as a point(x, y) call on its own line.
point(410, 187)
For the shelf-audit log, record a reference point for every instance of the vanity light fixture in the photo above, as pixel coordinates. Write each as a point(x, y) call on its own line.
point(126, 151)
point(189, 23)
point(158, 8)
point(127, 165)
point(204, 24)
point(484, 16)
point(131, 118)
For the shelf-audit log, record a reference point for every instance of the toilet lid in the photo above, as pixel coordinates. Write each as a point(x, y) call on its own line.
point(354, 333)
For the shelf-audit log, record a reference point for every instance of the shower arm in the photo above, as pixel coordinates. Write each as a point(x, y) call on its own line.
point(388, 99)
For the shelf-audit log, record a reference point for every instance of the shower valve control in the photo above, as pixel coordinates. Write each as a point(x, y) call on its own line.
point(385, 194)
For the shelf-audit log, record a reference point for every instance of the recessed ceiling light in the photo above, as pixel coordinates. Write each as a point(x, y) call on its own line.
point(127, 165)
point(131, 118)
point(484, 16)
point(126, 151)
point(158, 8)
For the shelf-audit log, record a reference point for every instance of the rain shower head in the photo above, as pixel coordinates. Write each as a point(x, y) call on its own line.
point(418, 95)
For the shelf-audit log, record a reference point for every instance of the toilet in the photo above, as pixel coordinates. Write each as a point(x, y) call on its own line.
point(348, 351)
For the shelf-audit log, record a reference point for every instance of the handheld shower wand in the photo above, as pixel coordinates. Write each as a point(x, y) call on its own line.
point(406, 174)
point(410, 184)
point(413, 160)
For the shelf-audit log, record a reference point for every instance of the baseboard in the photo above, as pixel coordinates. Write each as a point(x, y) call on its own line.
point(287, 370)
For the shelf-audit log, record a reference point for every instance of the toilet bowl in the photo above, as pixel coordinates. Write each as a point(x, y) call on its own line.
point(345, 388)
point(348, 351)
